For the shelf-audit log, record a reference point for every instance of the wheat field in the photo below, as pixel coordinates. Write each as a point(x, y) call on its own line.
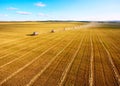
point(77, 54)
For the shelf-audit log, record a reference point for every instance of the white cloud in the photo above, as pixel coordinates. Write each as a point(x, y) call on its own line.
point(12, 8)
point(23, 13)
point(3, 15)
point(40, 4)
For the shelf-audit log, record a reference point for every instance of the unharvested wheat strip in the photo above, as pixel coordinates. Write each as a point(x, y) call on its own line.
point(18, 58)
point(117, 76)
point(13, 74)
point(39, 74)
point(70, 64)
point(16, 51)
point(91, 64)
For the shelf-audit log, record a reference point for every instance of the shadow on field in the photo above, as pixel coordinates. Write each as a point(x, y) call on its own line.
point(30, 35)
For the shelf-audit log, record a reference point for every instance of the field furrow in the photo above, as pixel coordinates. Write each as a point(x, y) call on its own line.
point(79, 73)
point(109, 76)
point(110, 64)
point(114, 52)
point(27, 50)
point(74, 54)
point(30, 56)
point(18, 45)
point(91, 73)
point(112, 37)
point(70, 76)
point(66, 71)
point(98, 65)
point(57, 67)
point(35, 58)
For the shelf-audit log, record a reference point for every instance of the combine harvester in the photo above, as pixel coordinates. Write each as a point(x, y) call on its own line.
point(53, 31)
point(34, 33)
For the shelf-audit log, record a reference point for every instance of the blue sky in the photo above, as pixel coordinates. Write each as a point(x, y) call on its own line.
point(32, 10)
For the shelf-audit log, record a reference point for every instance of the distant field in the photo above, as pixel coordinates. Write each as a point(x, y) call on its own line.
point(77, 54)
